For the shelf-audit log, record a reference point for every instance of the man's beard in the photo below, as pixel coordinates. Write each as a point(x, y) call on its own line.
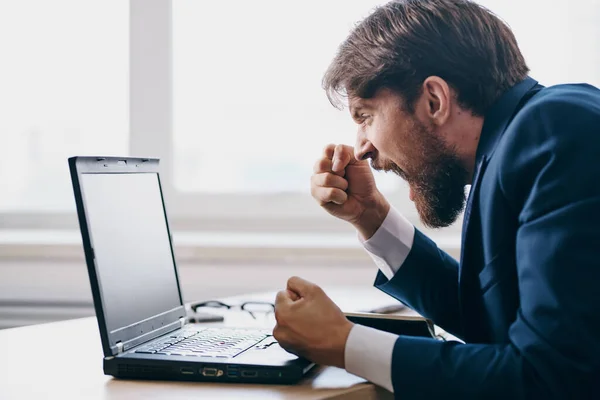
point(437, 182)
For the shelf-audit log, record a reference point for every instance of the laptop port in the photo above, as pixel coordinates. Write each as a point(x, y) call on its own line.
point(233, 371)
point(211, 371)
point(249, 374)
point(187, 371)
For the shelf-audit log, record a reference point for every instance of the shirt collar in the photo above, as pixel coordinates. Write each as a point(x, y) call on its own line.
point(499, 115)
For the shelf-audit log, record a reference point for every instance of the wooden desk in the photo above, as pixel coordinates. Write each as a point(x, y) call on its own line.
point(63, 360)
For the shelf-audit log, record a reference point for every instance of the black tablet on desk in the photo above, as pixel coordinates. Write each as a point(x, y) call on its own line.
point(396, 324)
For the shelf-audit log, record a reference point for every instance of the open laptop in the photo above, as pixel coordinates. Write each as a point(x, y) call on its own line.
point(135, 286)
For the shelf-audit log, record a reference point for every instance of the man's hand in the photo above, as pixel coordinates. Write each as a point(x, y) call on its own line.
point(309, 324)
point(345, 187)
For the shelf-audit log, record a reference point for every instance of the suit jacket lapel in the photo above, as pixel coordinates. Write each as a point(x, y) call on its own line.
point(496, 121)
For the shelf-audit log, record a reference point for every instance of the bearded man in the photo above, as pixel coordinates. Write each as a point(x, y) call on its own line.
point(441, 95)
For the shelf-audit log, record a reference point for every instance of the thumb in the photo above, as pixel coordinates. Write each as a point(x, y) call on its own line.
point(293, 295)
point(342, 156)
point(299, 286)
point(283, 298)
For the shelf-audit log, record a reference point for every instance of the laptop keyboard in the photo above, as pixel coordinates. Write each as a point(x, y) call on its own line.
point(210, 342)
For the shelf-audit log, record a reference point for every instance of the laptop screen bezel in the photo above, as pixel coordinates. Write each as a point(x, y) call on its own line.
point(124, 337)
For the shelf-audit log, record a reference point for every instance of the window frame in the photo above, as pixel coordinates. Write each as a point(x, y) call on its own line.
point(272, 212)
point(151, 134)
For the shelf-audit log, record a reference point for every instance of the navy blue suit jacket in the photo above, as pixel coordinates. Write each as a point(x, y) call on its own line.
point(525, 296)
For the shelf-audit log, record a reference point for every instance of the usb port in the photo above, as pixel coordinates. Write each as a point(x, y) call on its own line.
point(233, 371)
point(249, 374)
point(187, 371)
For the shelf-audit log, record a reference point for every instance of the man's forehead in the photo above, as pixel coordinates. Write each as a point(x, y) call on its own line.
point(382, 97)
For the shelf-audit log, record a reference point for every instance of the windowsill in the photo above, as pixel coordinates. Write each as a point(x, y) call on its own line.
point(210, 246)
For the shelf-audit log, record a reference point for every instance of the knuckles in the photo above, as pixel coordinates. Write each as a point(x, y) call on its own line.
point(339, 150)
point(322, 165)
point(330, 147)
point(329, 180)
point(332, 180)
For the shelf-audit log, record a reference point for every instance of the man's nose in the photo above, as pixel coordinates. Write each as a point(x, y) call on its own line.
point(363, 149)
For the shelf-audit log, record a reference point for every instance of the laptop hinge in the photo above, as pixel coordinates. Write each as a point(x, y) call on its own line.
point(132, 341)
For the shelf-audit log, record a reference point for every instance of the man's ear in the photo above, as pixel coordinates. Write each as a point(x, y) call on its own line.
point(437, 98)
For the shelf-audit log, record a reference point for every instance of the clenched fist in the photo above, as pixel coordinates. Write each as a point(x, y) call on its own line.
point(309, 324)
point(345, 187)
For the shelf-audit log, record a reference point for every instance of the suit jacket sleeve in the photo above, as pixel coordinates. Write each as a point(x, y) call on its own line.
point(550, 176)
point(427, 282)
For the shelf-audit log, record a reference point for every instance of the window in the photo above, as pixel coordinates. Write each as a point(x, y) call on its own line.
point(250, 117)
point(249, 112)
point(227, 94)
point(64, 81)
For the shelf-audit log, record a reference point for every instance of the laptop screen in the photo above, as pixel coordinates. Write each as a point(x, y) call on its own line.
point(128, 228)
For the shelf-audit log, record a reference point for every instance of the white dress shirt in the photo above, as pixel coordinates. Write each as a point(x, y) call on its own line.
point(368, 352)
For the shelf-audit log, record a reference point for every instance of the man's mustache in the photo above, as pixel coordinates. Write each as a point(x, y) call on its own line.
point(388, 166)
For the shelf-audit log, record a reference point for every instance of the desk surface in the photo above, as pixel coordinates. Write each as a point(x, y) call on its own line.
point(63, 360)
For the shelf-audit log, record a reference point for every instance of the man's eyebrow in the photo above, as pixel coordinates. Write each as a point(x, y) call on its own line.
point(357, 107)
point(354, 110)
point(356, 103)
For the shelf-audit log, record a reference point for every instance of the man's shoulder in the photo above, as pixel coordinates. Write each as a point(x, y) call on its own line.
point(556, 116)
point(559, 105)
point(556, 131)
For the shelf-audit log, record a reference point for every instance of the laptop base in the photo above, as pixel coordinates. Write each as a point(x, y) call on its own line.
point(202, 372)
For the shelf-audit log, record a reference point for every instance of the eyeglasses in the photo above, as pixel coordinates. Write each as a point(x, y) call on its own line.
point(251, 307)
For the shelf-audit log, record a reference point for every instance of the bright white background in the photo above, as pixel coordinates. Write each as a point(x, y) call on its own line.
point(228, 95)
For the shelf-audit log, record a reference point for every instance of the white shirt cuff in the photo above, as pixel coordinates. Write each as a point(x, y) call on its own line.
point(368, 354)
point(390, 245)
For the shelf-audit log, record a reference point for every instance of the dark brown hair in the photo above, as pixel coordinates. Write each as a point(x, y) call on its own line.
point(405, 41)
